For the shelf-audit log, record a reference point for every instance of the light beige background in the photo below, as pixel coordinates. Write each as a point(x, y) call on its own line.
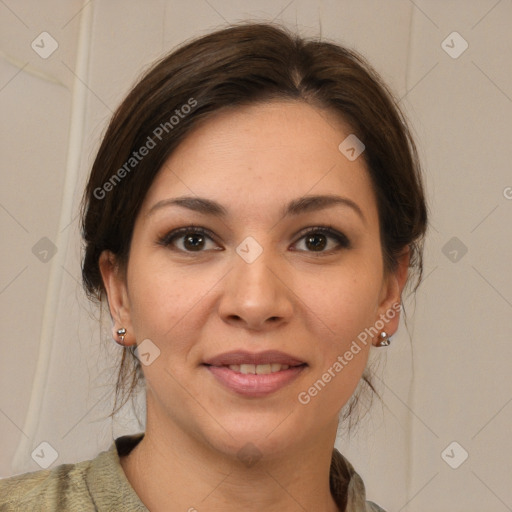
point(446, 380)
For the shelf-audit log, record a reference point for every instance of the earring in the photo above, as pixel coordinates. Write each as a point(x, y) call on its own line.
point(384, 340)
point(121, 333)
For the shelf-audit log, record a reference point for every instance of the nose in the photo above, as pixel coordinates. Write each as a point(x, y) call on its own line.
point(255, 295)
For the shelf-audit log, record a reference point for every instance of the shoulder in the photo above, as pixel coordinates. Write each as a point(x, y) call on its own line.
point(92, 485)
point(373, 507)
point(60, 488)
point(348, 486)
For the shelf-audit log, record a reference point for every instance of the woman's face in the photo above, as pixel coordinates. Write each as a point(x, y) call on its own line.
point(260, 302)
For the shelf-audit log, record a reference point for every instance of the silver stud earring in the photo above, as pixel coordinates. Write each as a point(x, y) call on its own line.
point(121, 333)
point(384, 340)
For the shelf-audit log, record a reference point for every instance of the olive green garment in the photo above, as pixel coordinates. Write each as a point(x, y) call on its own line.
point(101, 485)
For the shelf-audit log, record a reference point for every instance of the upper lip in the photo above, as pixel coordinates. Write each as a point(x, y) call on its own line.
point(244, 357)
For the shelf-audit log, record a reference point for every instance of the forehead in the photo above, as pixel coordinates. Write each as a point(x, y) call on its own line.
point(261, 156)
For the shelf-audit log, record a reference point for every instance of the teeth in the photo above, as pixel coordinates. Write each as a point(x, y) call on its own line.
point(263, 369)
point(247, 368)
point(258, 369)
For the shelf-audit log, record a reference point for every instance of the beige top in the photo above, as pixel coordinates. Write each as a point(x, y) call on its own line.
point(101, 485)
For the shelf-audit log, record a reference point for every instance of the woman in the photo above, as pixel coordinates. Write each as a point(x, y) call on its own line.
point(252, 218)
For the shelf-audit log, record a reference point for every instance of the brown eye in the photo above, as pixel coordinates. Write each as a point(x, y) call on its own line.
point(323, 240)
point(189, 239)
point(316, 242)
point(193, 242)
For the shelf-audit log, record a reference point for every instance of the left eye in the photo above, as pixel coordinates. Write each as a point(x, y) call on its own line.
point(317, 240)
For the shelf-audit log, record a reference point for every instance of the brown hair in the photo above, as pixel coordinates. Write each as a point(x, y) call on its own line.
point(240, 65)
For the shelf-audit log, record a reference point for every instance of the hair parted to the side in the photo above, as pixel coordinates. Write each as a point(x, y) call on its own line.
point(239, 65)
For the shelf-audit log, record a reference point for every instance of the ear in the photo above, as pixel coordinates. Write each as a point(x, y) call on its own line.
point(391, 293)
point(114, 281)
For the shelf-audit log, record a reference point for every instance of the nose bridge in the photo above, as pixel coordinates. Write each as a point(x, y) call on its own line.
point(255, 292)
point(252, 266)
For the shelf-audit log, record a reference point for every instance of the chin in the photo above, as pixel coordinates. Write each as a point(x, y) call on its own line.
point(246, 435)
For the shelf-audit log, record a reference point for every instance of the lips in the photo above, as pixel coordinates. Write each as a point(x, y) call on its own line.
point(248, 358)
point(255, 375)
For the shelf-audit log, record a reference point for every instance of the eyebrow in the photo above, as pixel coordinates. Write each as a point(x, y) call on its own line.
point(295, 207)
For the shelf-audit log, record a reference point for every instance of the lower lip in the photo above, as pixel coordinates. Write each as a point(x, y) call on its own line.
point(251, 385)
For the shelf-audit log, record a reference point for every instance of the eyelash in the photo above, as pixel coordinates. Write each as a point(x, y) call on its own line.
point(342, 241)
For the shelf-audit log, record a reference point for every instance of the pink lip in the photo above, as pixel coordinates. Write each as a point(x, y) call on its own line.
point(244, 357)
point(250, 385)
point(253, 386)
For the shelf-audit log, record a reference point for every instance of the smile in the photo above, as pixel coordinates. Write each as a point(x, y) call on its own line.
point(255, 375)
point(258, 369)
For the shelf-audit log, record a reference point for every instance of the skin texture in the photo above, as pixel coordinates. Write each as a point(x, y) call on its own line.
point(197, 304)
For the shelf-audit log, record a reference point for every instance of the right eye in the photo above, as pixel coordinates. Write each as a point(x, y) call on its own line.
point(188, 239)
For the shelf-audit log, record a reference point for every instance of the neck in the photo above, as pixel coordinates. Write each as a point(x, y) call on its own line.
point(172, 471)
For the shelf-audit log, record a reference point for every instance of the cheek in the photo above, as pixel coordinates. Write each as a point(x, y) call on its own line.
point(345, 302)
point(347, 344)
point(158, 298)
point(341, 310)
point(169, 304)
